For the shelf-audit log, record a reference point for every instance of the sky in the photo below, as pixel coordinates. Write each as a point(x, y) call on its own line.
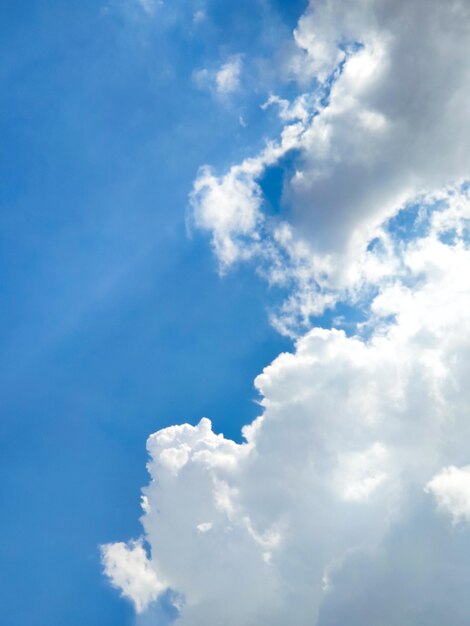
point(234, 251)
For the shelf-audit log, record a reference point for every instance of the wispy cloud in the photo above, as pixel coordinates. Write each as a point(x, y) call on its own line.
point(150, 6)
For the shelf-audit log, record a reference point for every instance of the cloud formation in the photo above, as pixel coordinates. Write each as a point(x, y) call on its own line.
point(352, 487)
point(385, 121)
point(224, 81)
point(355, 430)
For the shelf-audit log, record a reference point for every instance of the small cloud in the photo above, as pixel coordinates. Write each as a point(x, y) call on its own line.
point(227, 78)
point(199, 16)
point(204, 527)
point(150, 6)
point(129, 569)
point(223, 81)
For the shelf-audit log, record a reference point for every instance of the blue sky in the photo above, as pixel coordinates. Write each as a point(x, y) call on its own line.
point(114, 322)
point(314, 275)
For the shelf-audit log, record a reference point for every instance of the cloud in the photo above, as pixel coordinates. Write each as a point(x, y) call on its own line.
point(352, 431)
point(150, 6)
point(451, 489)
point(396, 122)
point(224, 81)
point(329, 511)
point(418, 576)
point(385, 122)
point(227, 79)
point(129, 569)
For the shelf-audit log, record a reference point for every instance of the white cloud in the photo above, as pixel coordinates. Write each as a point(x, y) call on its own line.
point(397, 118)
point(227, 79)
point(229, 206)
point(204, 527)
point(451, 489)
point(387, 121)
point(224, 81)
point(329, 495)
point(129, 569)
point(351, 429)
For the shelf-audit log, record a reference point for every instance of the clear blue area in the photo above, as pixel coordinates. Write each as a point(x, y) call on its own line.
point(272, 184)
point(408, 224)
point(113, 322)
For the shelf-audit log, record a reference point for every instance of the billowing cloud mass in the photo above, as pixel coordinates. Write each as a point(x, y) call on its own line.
point(348, 501)
point(386, 120)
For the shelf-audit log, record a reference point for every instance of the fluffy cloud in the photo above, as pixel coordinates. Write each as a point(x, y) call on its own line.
point(397, 120)
point(129, 569)
point(386, 121)
point(330, 509)
point(353, 430)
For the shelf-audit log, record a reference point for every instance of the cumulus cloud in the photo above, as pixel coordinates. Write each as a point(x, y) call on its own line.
point(397, 120)
point(353, 431)
point(329, 511)
point(386, 120)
